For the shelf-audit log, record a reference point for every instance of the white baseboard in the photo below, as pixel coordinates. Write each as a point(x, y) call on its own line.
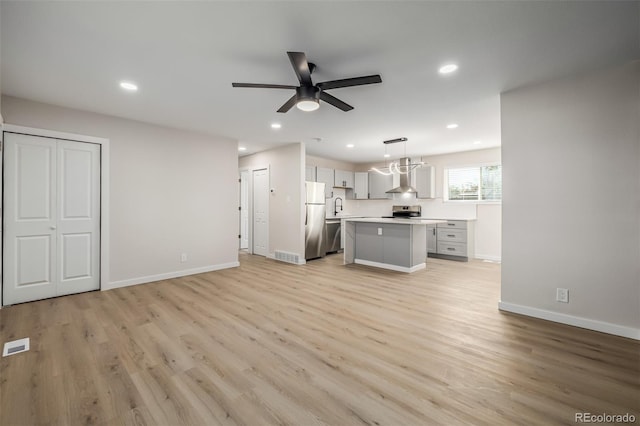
point(488, 257)
point(391, 267)
point(168, 275)
point(589, 324)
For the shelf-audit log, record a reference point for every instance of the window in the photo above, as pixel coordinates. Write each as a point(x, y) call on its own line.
point(478, 183)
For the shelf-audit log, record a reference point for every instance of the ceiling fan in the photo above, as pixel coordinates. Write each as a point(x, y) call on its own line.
point(308, 95)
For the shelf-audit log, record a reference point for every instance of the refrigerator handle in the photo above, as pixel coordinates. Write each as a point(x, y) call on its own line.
point(306, 215)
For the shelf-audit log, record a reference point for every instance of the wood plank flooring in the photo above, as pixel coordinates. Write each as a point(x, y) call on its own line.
point(271, 343)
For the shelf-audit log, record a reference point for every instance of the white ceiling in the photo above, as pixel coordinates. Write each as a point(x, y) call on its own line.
point(184, 56)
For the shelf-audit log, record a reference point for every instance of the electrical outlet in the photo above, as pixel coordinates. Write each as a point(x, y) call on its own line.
point(183, 257)
point(379, 231)
point(562, 295)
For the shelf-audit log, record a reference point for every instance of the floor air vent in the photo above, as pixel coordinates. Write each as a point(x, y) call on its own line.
point(15, 347)
point(287, 257)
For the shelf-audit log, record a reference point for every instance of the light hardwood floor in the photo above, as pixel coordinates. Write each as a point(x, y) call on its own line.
point(272, 343)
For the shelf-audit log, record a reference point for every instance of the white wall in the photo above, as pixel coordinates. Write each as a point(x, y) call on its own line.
point(172, 192)
point(312, 160)
point(286, 203)
point(571, 207)
point(1, 118)
point(488, 216)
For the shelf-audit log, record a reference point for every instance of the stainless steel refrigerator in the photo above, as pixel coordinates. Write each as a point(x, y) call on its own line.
point(314, 222)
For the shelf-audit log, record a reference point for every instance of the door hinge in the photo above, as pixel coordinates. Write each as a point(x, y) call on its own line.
point(239, 207)
point(239, 236)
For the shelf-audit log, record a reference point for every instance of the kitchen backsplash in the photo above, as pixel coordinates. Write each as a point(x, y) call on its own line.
point(436, 208)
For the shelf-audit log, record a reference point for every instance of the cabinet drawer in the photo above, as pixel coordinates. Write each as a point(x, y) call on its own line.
point(453, 249)
point(452, 235)
point(461, 224)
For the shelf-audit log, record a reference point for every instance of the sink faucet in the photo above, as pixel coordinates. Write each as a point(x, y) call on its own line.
point(335, 205)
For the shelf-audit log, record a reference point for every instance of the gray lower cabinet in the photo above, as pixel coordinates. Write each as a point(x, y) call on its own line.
point(454, 240)
point(396, 249)
point(401, 247)
point(432, 238)
point(369, 246)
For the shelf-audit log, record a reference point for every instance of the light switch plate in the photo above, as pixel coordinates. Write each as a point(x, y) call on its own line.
point(562, 295)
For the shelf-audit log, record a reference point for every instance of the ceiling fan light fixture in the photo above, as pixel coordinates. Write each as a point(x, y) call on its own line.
point(308, 105)
point(309, 95)
point(308, 98)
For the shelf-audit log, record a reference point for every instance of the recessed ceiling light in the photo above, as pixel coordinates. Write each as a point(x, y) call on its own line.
point(129, 86)
point(477, 142)
point(447, 69)
point(242, 148)
point(387, 155)
point(452, 126)
point(350, 145)
point(276, 125)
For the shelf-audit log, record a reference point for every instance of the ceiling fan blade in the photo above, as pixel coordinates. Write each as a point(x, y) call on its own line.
point(348, 82)
point(263, 86)
point(289, 104)
point(335, 101)
point(301, 67)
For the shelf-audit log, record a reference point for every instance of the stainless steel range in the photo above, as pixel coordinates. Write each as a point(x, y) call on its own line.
point(405, 212)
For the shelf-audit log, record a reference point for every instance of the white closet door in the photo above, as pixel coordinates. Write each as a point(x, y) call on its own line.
point(78, 217)
point(48, 239)
point(244, 209)
point(261, 212)
point(30, 218)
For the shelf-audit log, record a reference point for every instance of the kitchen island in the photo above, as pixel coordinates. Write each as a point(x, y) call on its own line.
point(396, 244)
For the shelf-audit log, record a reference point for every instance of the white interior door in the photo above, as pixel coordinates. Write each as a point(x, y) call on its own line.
point(261, 212)
point(78, 236)
point(244, 209)
point(29, 264)
point(51, 218)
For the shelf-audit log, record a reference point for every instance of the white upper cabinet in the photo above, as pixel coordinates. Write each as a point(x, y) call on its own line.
point(379, 184)
point(425, 185)
point(343, 179)
point(310, 173)
point(326, 176)
point(361, 186)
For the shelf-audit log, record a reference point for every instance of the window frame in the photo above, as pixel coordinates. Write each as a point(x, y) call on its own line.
point(445, 179)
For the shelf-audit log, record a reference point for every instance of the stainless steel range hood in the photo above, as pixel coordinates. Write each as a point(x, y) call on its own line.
point(405, 179)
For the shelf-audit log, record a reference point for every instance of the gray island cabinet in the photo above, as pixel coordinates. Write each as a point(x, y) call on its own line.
point(396, 244)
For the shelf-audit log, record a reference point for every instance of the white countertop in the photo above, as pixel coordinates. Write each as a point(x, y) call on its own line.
point(451, 218)
point(331, 218)
point(393, 220)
